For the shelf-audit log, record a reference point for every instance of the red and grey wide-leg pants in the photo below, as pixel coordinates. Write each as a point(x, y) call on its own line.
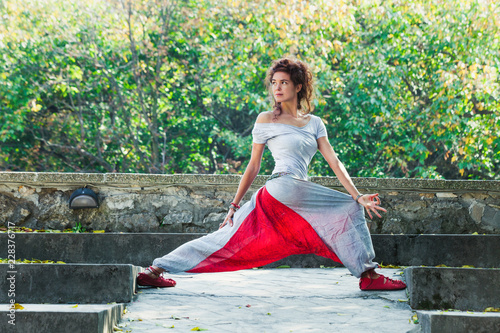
point(287, 216)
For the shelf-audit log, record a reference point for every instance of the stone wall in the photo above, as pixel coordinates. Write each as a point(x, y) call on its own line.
point(198, 203)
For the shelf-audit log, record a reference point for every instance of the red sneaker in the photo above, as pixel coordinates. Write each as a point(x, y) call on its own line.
point(145, 280)
point(381, 283)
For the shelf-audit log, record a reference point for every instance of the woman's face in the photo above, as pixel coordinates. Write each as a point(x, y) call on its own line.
point(283, 88)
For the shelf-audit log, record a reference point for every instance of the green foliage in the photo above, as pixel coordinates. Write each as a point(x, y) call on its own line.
point(406, 89)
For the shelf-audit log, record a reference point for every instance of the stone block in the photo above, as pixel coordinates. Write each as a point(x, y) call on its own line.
point(107, 248)
point(68, 283)
point(467, 289)
point(142, 248)
point(432, 250)
point(55, 318)
point(458, 322)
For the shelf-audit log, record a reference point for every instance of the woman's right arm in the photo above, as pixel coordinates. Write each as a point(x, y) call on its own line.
point(249, 175)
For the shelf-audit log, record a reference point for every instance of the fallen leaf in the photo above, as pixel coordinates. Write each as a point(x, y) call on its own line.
point(98, 231)
point(468, 266)
point(269, 313)
point(198, 329)
point(389, 266)
point(248, 305)
point(283, 266)
point(442, 265)
point(402, 300)
point(75, 306)
point(415, 318)
point(492, 309)
point(18, 306)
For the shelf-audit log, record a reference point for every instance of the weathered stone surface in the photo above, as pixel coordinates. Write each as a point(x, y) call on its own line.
point(454, 322)
point(141, 248)
point(54, 318)
point(445, 195)
point(109, 248)
point(198, 203)
point(468, 289)
point(178, 217)
point(433, 250)
point(491, 218)
point(279, 301)
point(69, 283)
point(214, 218)
point(145, 180)
point(476, 210)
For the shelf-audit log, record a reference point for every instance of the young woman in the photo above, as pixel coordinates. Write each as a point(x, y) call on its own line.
point(289, 215)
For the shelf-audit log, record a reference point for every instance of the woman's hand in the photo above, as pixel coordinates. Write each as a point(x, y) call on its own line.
point(228, 219)
point(371, 203)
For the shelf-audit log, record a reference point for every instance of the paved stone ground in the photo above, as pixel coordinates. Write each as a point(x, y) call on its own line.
point(270, 300)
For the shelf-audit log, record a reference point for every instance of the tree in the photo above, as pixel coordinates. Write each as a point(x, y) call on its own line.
point(406, 89)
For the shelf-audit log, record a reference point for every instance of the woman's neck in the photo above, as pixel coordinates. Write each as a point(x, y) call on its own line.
point(291, 109)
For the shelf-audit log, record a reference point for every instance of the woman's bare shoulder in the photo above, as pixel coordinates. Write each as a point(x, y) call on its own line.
point(265, 117)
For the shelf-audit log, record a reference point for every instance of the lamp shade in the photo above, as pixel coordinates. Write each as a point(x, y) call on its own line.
point(83, 198)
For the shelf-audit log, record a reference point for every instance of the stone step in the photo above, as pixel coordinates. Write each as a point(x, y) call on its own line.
point(467, 289)
point(67, 283)
point(458, 322)
point(51, 318)
point(141, 248)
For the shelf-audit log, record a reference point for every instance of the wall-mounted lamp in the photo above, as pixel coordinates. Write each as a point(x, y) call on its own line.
point(83, 198)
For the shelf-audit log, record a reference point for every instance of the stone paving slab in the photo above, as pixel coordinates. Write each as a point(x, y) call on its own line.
point(467, 289)
point(270, 300)
point(458, 322)
point(141, 248)
point(68, 283)
point(55, 318)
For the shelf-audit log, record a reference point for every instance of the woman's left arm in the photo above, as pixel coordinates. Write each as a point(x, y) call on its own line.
point(371, 202)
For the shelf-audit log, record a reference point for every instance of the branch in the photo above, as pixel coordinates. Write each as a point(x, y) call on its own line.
point(79, 151)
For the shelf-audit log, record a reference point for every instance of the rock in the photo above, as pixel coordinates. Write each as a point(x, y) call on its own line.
point(7, 206)
point(476, 211)
point(440, 195)
point(136, 223)
point(183, 217)
point(120, 202)
point(491, 218)
point(24, 212)
point(480, 196)
point(213, 219)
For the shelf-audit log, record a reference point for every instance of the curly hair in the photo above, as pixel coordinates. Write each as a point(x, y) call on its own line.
point(299, 74)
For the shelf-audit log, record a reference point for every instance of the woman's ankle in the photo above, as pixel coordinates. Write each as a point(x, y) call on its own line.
point(371, 274)
point(154, 271)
